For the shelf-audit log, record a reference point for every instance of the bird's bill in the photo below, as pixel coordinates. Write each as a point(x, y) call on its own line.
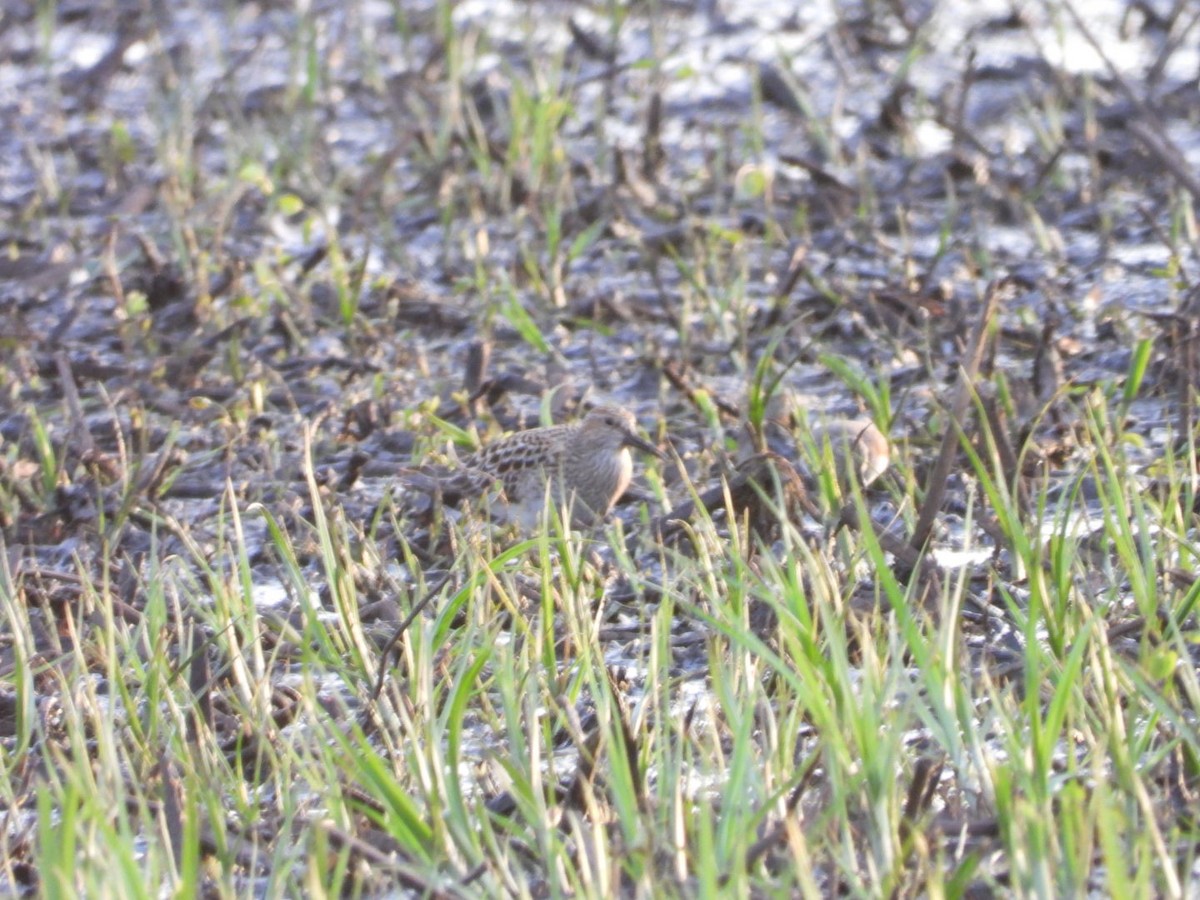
point(633, 440)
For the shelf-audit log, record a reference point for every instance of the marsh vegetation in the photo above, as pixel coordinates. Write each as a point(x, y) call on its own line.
point(260, 257)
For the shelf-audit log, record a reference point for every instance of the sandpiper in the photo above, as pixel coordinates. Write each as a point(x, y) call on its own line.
point(858, 446)
point(584, 467)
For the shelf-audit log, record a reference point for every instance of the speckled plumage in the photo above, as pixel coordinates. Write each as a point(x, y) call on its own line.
point(585, 466)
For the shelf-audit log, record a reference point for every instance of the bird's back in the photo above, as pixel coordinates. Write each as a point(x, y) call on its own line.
point(511, 459)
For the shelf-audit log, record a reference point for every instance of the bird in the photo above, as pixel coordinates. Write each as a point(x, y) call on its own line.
point(859, 451)
point(858, 446)
point(583, 467)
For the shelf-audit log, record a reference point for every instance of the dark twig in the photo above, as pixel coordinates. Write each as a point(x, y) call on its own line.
point(777, 833)
point(1147, 128)
point(399, 633)
point(675, 374)
point(71, 394)
point(935, 487)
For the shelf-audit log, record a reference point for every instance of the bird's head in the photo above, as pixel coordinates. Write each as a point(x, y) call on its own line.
point(609, 427)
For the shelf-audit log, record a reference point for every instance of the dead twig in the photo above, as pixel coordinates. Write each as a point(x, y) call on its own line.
point(935, 486)
point(399, 632)
point(1147, 128)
